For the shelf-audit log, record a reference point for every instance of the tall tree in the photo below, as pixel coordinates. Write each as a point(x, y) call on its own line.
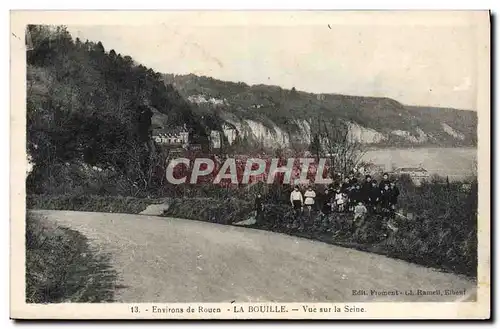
point(315, 147)
point(339, 146)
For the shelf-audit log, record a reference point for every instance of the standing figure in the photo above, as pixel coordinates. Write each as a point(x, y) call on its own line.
point(374, 197)
point(355, 196)
point(296, 199)
point(326, 207)
point(393, 200)
point(259, 208)
point(346, 185)
point(360, 211)
point(385, 198)
point(366, 189)
point(385, 181)
point(340, 200)
point(353, 180)
point(297, 202)
point(309, 195)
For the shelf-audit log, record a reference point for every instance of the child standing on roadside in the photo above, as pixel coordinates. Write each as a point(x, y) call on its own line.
point(339, 200)
point(309, 196)
point(297, 202)
point(359, 211)
point(296, 199)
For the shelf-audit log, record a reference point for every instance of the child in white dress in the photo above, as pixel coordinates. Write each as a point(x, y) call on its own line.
point(339, 200)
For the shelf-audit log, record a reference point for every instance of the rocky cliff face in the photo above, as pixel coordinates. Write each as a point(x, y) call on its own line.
point(273, 116)
point(274, 136)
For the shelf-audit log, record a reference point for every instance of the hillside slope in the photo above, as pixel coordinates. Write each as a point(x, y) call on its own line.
point(277, 116)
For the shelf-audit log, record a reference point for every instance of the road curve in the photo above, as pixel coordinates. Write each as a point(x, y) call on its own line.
point(174, 260)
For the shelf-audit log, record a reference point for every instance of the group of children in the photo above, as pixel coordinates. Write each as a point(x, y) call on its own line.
point(350, 196)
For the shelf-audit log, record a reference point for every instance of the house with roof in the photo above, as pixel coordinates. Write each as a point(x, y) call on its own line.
point(417, 174)
point(177, 136)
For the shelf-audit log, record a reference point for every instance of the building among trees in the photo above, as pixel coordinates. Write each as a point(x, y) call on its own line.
point(417, 174)
point(174, 136)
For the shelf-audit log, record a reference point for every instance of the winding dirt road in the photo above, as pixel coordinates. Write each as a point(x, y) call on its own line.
point(174, 260)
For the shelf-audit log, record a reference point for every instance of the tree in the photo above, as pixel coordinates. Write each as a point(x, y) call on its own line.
point(315, 147)
point(84, 105)
point(343, 151)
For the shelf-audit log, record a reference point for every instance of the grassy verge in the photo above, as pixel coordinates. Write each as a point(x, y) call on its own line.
point(61, 267)
point(98, 203)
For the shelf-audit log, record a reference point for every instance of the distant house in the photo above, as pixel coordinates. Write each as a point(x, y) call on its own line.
point(195, 147)
point(172, 136)
point(177, 152)
point(418, 175)
point(466, 187)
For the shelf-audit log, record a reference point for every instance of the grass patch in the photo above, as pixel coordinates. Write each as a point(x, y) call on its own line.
point(61, 267)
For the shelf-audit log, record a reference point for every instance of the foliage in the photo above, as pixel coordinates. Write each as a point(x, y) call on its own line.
point(315, 147)
point(85, 104)
point(213, 210)
point(339, 147)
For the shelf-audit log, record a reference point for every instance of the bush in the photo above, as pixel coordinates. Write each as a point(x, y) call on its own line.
point(210, 209)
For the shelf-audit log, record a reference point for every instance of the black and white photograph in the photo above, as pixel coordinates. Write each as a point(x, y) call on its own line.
point(250, 165)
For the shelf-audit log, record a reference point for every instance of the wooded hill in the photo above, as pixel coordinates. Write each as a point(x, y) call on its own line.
point(92, 105)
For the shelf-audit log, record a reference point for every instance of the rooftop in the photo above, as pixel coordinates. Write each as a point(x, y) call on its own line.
point(411, 169)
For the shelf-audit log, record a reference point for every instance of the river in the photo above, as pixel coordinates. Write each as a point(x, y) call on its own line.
point(456, 163)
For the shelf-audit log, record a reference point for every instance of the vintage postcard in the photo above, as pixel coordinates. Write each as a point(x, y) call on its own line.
point(250, 165)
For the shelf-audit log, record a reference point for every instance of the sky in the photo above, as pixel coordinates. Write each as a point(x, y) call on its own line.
point(415, 64)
